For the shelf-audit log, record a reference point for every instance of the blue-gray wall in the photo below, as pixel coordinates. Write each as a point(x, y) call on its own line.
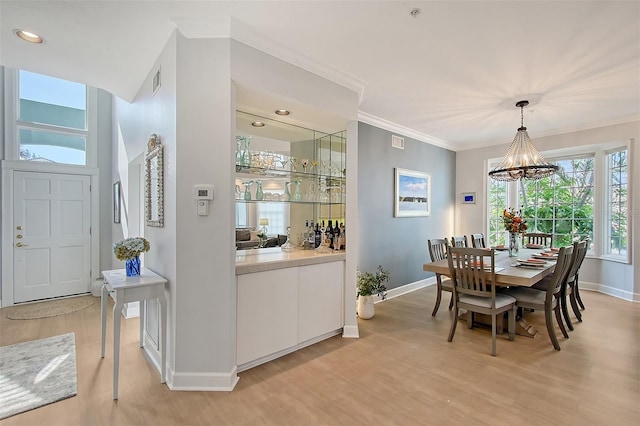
point(399, 244)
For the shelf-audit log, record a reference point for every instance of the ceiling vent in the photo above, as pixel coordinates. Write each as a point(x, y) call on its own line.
point(397, 142)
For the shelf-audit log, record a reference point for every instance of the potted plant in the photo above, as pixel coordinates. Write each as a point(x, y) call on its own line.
point(369, 284)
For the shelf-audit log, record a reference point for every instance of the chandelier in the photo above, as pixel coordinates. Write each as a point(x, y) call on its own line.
point(522, 159)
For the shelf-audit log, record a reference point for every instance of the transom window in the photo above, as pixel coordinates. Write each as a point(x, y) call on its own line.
point(51, 120)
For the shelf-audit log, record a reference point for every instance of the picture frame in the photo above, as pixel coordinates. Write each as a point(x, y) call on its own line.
point(468, 197)
point(412, 195)
point(116, 202)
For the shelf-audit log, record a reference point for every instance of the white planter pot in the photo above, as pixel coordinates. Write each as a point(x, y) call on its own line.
point(366, 308)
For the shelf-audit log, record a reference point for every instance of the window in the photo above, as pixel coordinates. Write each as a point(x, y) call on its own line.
point(561, 204)
point(587, 198)
point(497, 204)
point(617, 203)
point(278, 216)
point(52, 120)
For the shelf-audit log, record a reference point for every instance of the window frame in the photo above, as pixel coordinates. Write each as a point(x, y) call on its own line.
point(601, 220)
point(13, 124)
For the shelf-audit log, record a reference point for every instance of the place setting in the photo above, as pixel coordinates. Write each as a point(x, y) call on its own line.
point(532, 262)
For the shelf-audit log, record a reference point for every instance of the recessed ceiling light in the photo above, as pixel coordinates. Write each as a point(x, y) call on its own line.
point(258, 124)
point(29, 36)
point(283, 112)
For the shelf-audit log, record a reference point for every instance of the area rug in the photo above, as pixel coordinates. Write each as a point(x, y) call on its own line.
point(37, 373)
point(50, 308)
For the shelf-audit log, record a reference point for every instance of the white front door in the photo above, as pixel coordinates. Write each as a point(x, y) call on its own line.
point(52, 235)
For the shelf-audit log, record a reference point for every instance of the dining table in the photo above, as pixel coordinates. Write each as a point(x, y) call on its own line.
point(511, 273)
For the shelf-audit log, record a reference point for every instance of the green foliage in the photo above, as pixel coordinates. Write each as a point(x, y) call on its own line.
point(373, 283)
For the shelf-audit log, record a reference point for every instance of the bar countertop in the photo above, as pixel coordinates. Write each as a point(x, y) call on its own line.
point(268, 259)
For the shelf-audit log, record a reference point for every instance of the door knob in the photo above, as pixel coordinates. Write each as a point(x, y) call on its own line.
point(21, 245)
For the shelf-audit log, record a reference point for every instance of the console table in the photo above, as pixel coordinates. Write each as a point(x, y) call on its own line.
point(123, 289)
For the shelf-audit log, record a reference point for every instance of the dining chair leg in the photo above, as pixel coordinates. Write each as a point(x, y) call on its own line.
point(493, 335)
point(451, 302)
point(565, 311)
point(574, 305)
point(575, 286)
point(559, 321)
point(550, 329)
point(512, 324)
point(438, 298)
point(469, 319)
point(454, 321)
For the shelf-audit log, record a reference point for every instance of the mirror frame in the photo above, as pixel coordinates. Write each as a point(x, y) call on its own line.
point(154, 151)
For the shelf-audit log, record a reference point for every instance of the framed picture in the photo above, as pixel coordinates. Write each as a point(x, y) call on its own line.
point(116, 202)
point(468, 198)
point(412, 193)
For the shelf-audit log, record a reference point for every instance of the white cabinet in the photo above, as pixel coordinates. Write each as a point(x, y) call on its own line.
point(320, 289)
point(282, 310)
point(267, 313)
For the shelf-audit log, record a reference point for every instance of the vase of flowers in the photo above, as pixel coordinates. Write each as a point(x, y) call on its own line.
point(514, 224)
point(129, 250)
point(369, 284)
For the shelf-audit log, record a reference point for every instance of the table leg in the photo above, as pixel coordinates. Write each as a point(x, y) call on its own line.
point(117, 314)
point(142, 317)
point(163, 337)
point(103, 312)
point(523, 328)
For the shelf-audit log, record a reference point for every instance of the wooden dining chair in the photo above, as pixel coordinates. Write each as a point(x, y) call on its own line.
point(579, 251)
point(548, 300)
point(472, 272)
point(438, 251)
point(459, 241)
point(537, 238)
point(571, 289)
point(576, 289)
point(477, 241)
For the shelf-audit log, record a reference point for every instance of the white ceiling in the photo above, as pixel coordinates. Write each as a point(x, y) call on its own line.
point(451, 75)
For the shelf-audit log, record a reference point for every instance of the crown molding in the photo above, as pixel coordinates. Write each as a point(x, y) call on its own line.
point(405, 131)
point(596, 125)
point(248, 36)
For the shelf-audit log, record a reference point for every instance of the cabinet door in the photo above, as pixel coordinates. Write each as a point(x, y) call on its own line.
point(320, 291)
point(267, 313)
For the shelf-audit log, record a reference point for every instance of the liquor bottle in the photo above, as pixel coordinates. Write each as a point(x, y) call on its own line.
point(312, 236)
point(336, 237)
point(330, 234)
point(305, 236)
point(318, 236)
point(343, 236)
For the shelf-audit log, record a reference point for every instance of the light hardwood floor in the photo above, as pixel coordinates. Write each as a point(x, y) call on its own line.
point(401, 371)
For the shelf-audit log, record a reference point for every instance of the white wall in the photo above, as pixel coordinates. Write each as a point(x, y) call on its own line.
point(194, 115)
point(618, 279)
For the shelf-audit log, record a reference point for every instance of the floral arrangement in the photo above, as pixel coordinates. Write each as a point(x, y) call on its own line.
point(373, 283)
point(513, 221)
point(130, 248)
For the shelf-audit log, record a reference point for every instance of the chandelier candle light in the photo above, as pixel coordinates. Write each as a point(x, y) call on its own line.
point(522, 159)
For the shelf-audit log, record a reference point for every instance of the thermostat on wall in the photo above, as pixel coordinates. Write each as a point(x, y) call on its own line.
point(203, 192)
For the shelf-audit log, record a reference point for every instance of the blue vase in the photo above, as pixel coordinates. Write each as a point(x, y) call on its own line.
point(133, 267)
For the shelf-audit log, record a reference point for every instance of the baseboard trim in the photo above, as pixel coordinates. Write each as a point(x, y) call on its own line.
point(407, 288)
point(217, 382)
point(271, 357)
point(350, 332)
point(610, 291)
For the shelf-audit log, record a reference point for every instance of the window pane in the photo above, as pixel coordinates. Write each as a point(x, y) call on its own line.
point(52, 147)
point(617, 203)
point(49, 100)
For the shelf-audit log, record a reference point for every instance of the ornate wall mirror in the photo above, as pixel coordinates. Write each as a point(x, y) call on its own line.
point(154, 182)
